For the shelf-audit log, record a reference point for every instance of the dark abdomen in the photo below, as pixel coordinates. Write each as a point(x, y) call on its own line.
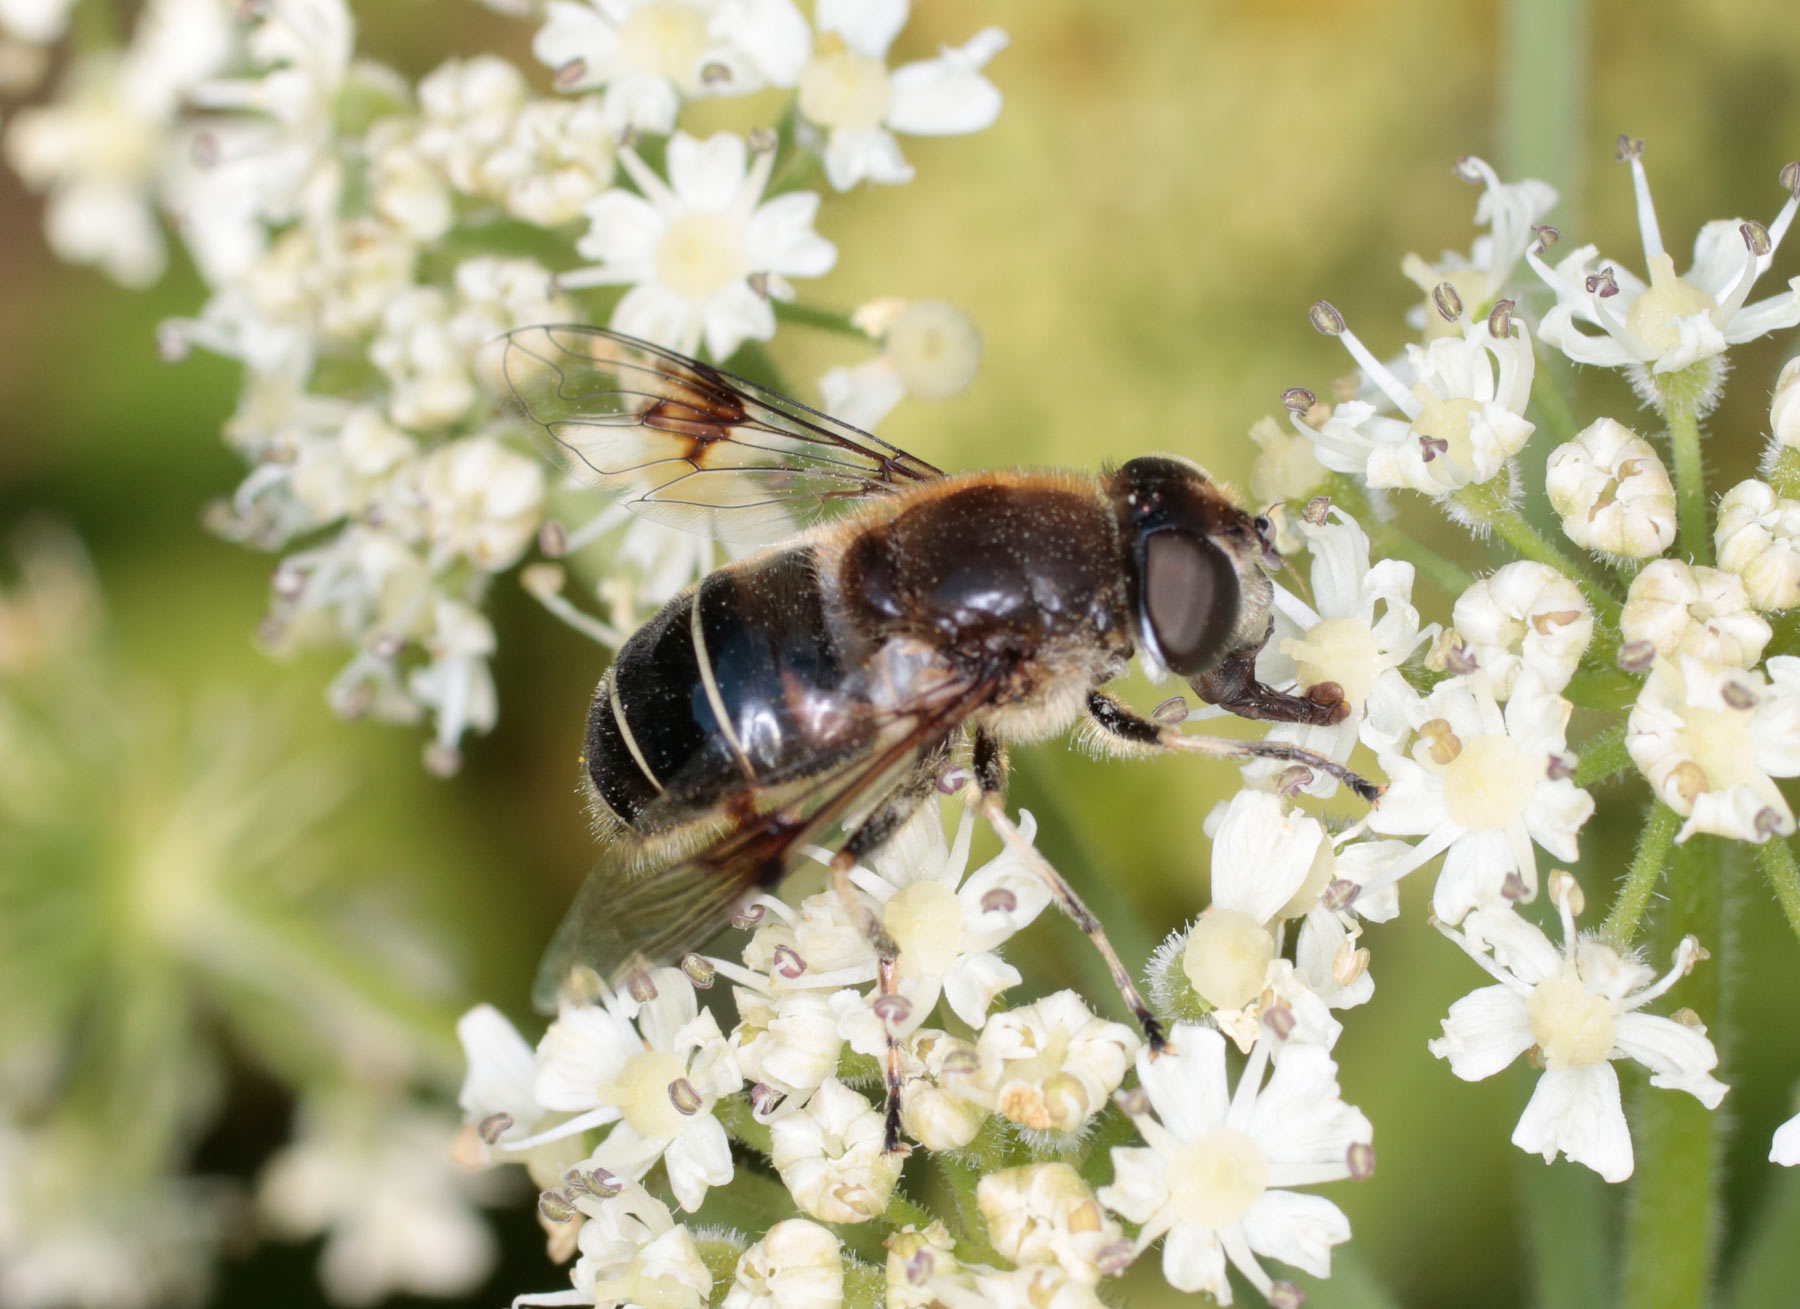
point(735, 682)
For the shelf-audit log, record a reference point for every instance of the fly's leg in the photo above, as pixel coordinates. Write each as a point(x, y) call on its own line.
point(990, 783)
point(1128, 733)
point(1231, 684)
point(890, 1005)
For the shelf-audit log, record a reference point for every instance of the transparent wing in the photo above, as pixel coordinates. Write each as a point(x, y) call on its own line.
point(625, 920)
point(688, 444)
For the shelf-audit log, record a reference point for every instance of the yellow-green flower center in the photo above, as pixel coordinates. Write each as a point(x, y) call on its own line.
point(1340, 650)
point(1570, 1025)
point(665, 37)
point(1489, 782)
point(846, 91)
point(1214, 1182)
point(1227, 958)
point(700, 255)
point(1654, 316)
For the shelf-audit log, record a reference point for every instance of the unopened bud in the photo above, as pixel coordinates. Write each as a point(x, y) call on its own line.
point(1447, 302)
point(1298, 399)
point(1325, 318)
point(386, 645)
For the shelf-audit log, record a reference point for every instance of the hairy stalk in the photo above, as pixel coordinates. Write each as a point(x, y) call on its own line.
point(825, 320)
point(1658, 834)
point(962, 1179)
point(1602, 756)
point(1673, 1218)
point(1690, 483)
point(1487, 504)
point(1777, 860)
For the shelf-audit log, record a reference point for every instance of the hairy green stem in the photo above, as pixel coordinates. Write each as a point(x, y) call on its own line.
point(1673, 1218)
point(1690, 483)
point(1777, 860)
point(1654, 841)
point(1602, 756)
point(826, 320)
point(1511, 527)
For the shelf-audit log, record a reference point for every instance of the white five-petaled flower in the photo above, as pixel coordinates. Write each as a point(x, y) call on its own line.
point(1049, 1066)
point(1689, 609)
point(653, 1068)
point(1213, 1182)
point(1480, 787)
point(1673, 321)
point(848, 90)
point(1364, 627)
point(1461, 419)
point(1711, 740)
point(1612, 492)
point(703, 252)
point(652, 54)
point(1511, 211)
point(633, 1252)
point(1578, 1006)
point(457, 684)
point(1758, 538)
point(1524, 615)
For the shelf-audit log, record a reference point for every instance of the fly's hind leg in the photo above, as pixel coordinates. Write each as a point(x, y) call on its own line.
point(990, 782)
point(1131, 733)
point(890, 1006)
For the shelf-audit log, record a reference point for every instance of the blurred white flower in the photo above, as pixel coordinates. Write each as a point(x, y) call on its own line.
point(37, 21)
point(1784, 1149)
point(1510, 211)
point(482, 502)
point(1758, 538)
point(703, 252)
point(1524, 615)
point(1711, 740)
point(457, 684)
point(1212, 1183)
point(1690, 609)
point(930, 350)
point(1784, 406)
point(831, 1159)
point(652, 54)
point(1577, 1007)
point(933, 1109)
point(1462, 415)
point(1673, 321)
point(1612, 492)
point(848, 90)
point(1288, 467)
point(396, 1214)
point(632, 1253)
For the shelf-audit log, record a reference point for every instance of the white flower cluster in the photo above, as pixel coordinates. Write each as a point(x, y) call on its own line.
point(364, 241)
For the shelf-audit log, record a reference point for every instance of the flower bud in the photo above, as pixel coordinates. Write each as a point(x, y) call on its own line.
point(1612, 492)
point(1758, 538)
point(1684, 609)
point(1525, 615)
point(1784, 408)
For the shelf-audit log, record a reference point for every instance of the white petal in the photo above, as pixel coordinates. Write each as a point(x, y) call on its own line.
point(1577, 1111)
point(1785, 1148)
point(1193, 1260)
point(867, 26)
point(706, 175)
point(1486, 1030)
point(700, 1157)
point(779, 238)
point(1139, 1187)
point(1678, 1057)
point(655, 313)
point(584, 1047)
point(947, 95)
point(735, 315)
point(775, 36)
point(502, 1071)
point(1186, 1083)
point(974, 982)
point(1296, 1229)
point(1298, 1118)
point(873, 154)
point(623, 228)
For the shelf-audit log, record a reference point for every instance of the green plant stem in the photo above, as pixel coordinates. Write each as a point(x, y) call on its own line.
point(1510, 527)
point(1654, 841)
point(826, 320)
point(972, 1245)
point(1673, 1216)
point(1690, 483)
point(1389, 542)
point(737, 1118)
point(1543, 96)
point(1777, 860)
point(1602, 756)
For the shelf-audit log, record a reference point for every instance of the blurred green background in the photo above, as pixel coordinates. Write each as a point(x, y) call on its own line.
point(1171, 184)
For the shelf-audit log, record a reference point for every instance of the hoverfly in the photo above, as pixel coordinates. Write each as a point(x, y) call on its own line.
point(814, 692)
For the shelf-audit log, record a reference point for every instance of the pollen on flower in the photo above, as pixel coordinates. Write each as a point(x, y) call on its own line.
point(1227, 957)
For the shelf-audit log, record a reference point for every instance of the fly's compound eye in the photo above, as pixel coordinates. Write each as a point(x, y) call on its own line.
point(1190, 598)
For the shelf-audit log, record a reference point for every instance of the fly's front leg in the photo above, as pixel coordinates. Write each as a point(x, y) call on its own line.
point(990, 783)
point(1231, 684)
point(1131, 733)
